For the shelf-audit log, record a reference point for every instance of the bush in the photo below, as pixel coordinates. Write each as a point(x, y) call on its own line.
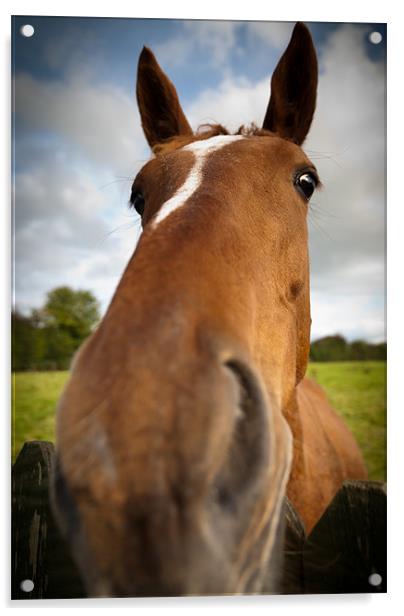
point(336, 348)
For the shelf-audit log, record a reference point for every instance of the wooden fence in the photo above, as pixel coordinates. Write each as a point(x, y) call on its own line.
point(344, 553)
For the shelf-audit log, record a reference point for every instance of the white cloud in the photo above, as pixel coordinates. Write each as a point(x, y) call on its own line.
point(354, 316)
point(68, 231)
point(100, 119)
point(233, 103)
point(215, 40)
point(71, 221)
point(348, 145)
point(274, 34)
point(216, 37)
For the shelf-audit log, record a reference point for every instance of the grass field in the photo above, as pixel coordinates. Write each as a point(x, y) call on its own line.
point(34, 399)
point(357, 390)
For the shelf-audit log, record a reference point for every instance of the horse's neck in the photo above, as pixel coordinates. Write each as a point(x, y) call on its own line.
point(296, 488)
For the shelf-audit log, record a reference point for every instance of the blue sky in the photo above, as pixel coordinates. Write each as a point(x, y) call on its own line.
point(78, 143)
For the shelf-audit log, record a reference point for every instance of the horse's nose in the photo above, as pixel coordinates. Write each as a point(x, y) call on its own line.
point(189, 449)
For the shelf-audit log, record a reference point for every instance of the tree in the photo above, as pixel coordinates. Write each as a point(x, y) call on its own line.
point(48, 338)
point(329, 348)
point(336, 348)
point(360, 350)
point(73, 312)
point(25, 349)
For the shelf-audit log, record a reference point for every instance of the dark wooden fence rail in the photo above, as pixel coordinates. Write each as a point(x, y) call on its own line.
point(345, 552)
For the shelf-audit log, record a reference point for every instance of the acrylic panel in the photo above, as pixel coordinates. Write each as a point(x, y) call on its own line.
point(198, 329)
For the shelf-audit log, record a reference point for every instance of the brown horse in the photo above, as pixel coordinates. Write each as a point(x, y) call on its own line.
point(186, 419)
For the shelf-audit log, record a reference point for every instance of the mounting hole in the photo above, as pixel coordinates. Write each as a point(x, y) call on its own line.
point(375, 37)
point(27, 30)
point(375, 579)
point(27, 585)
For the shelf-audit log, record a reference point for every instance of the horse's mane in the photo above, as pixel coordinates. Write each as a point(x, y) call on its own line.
point(205, 131)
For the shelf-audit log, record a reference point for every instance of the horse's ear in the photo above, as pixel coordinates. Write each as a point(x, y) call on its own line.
point(160, 109)
point(294, 88)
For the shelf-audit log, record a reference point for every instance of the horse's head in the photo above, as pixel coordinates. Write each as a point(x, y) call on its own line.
point(173, 449)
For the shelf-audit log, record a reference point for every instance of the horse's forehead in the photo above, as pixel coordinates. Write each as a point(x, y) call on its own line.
point(201, 151)
point(204, 146)
point(271, 148)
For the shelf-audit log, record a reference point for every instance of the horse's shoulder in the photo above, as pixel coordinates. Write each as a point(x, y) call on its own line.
point(314, 406)
point(310, 392)
point(319, 417)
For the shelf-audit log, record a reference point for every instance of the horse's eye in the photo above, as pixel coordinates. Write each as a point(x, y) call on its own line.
point(137, 201)
point(306, 184)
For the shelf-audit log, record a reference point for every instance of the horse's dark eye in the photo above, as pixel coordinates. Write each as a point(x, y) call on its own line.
point(137, 201)
point(306, 184)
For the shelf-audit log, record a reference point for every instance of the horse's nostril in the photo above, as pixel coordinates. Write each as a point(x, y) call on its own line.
point(248, 454)
point(249, 393)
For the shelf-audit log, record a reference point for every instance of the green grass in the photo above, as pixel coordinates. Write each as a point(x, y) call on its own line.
point(357, 390)
point(35, 395)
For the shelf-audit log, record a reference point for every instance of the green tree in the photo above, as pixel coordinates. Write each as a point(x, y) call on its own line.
point(336, 348)
point(74, 313)
point(48, 338)
point(25, 351)
point(329, 348)
point(360, 350)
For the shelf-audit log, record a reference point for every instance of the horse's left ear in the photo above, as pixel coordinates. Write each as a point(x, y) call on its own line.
point(160, 110)
point(294, 88)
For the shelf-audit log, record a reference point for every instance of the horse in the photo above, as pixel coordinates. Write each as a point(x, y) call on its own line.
point(187, 417)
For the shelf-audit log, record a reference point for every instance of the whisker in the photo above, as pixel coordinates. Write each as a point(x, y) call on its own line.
point(116, 181)
point(135, 224)
point(123, 227)
point(324, 155)
point(313, 220)
point(320, 212)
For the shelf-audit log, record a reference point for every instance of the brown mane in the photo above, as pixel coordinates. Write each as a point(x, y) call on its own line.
point(206, 131)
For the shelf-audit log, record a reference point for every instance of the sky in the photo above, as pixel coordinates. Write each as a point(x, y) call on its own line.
point(78, 144)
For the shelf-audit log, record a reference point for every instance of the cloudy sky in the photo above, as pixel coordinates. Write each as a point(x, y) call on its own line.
point(78, 144)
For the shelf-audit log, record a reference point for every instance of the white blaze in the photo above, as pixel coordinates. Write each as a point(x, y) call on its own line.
point(201, 149)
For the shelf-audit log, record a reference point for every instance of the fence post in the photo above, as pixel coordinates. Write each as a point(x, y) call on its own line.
point(346, 552)
point(39, 554)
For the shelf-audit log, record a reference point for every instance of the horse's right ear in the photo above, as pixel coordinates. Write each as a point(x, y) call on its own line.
point(294, 88)
point(160, 110)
